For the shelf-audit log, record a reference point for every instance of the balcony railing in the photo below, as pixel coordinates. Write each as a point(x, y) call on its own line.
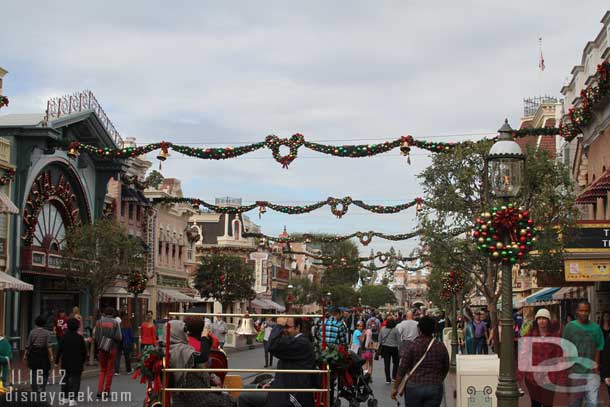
point(531, 105)
point(78, 102)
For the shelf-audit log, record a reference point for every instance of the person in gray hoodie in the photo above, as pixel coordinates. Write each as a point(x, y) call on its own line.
point(107, 335)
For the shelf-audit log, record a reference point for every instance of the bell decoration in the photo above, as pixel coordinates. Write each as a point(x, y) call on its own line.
point(196, 204)
point(261, 209)
point(405, 147)
point(73, 150)
point(164, 153)
point(246, 327)
point(419, 203)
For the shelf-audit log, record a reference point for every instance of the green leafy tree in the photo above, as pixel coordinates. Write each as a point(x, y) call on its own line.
point(456, 193)
point(225, 278)
point(154, 179)
point(392, 264)
point(96, 255)
point(343, 295)
point(305, 291)
point(345, 268)
point(376, 295)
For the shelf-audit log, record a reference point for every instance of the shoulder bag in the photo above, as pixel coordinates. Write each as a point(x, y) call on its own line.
point(403, 383)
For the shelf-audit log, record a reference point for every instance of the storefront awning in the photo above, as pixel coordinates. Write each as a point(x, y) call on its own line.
point(8, 282)
point(571, 293)
point(169, 295)
point(267, 304)
point(122, 292)
point(544, 295)
point(6, 205)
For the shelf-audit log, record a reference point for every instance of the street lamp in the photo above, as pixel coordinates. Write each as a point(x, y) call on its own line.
point(505, 163)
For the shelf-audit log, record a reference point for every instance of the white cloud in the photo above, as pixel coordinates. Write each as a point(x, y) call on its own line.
point(210, 72)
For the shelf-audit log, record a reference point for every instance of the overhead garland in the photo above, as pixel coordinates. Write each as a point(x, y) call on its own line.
point(383, 257)
point(491, 226)
point(3, 101)
point(364, 237)
point(8, 177)
point(293, 143)
point(338, 206)
point(578, 117)
point(452, 283)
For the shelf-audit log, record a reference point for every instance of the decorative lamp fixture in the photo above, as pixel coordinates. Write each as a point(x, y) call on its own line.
point(505, 164)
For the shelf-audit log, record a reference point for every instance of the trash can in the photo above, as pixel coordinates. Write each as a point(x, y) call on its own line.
point(477, 380)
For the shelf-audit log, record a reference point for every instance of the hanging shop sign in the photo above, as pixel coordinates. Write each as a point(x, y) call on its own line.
point(589, 237)
point(587, 270)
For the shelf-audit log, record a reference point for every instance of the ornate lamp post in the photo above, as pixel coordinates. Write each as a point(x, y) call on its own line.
point(454, 334)
point(505, 163)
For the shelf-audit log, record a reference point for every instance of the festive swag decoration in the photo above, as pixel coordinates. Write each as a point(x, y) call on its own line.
point(7, 178)
point(382, 256)
point(539, 131)
point(136, 282)
point(43, 189)
point(3, 101)
point(338, 206)
point(296, 141)
point(510, 220)
point(591, 97)
point(452, 284)
point(150, 367)
point(364, 237)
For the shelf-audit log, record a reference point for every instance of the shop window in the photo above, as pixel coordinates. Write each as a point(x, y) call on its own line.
point(138, 213)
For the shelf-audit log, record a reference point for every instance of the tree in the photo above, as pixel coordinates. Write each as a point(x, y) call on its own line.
point(345, 268)
point(305, 291)
point(343, 295)
point(225, 278)
point(455, 194)
point(392, 264)
point(98, 254)
point(376, 295)
point(154, 179)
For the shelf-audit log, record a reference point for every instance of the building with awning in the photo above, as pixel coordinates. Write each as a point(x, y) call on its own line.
point(10, 283)
point(540, 298)
point(266, 304)
point(169, 295)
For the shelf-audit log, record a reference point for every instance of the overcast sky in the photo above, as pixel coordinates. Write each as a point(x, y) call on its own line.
point(343, 72)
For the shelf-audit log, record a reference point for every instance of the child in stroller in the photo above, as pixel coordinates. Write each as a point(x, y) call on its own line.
point(354, 384)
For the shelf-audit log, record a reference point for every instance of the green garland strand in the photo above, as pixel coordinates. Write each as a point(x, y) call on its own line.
point(297, 141)
point(382, 256)
point(3, 101)
point(338, 206)
point(591, 97)
point(364, 237)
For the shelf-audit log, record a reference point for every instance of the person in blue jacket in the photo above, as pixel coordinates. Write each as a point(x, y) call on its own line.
point(126, 345)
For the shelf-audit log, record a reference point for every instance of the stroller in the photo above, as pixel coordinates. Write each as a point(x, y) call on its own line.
point(354, 385)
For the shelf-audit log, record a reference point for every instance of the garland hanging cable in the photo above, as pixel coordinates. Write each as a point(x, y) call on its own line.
point(364, 237)
point(405, 143)
point(338, 206)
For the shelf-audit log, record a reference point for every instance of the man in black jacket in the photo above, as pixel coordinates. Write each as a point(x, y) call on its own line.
point(291, 346)
point(73, 353)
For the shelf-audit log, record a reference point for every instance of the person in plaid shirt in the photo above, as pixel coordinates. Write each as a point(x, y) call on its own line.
point(425, 386)
point(336, 332)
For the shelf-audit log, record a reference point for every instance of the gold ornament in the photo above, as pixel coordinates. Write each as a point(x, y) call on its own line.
point(495, 254)
point(499, 245)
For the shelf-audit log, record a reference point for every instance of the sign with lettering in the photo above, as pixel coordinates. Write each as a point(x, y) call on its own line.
point(260, 283)
point(587, 270)
point(588, 236)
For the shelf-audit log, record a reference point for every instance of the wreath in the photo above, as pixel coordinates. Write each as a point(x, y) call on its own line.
point(506, 220)
point(136, 282)
point(149, 368)
point(452, 284)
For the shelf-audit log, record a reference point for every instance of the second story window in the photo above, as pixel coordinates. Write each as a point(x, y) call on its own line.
point(131, 211)
point(138, 212)
point(123, 208)
point(236, 230)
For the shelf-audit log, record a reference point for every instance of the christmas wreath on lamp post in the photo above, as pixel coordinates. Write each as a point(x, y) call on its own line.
point(136, 282)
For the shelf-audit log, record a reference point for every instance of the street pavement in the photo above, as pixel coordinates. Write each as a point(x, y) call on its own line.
point(130, 393)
